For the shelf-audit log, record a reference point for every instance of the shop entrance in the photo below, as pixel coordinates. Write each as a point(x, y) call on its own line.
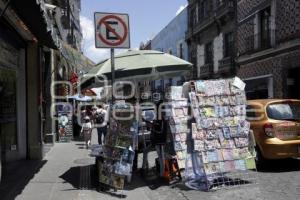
point(8, 110)
point(259, 87)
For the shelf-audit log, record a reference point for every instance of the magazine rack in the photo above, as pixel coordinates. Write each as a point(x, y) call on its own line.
point(222, 151)
point(115, 162)
point(178, 120)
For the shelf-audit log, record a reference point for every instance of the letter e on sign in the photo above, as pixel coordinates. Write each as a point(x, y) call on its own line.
point(112, 30)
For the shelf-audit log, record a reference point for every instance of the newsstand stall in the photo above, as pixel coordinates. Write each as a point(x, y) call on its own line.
point(115, 158)
point(208, 143)
point(216, 150)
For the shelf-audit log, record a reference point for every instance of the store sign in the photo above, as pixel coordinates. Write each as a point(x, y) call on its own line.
point(112, 30)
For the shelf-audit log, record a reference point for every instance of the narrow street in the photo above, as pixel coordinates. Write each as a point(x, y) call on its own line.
point(67, 172)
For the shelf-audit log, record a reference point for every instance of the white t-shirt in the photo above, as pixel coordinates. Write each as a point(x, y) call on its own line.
point(86, 126)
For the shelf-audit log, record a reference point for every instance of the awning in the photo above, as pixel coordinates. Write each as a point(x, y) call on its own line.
point(34, 14)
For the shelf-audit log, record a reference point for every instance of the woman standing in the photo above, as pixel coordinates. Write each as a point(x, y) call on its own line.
point(86, 130)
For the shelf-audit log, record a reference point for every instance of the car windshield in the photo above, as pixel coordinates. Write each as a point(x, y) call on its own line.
point(284, 111)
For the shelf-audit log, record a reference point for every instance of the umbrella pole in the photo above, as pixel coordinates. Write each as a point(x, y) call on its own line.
point(112, 58)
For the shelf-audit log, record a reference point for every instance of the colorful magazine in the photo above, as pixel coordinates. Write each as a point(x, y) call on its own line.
point(200, 87)
point(250, 163)
point(199, 145)
point(220, 155)
point(212, 168)
point(228, 144)
point(212, 134)
point(236, 154)
point(241, 142)
point(212, 144)
point(229, 166)
point(240, 165)
point(227, 154)
point(212, 156)
point(226, 133)
point(234, 132)
point(209, 112)
point(244, 153)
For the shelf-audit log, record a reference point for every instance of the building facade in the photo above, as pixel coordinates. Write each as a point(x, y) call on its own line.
point(40, 43)
point(67, 62)
point(268, 44)
point(210, 37)
point(26, 38)
point(171, 40)
point(66, 16)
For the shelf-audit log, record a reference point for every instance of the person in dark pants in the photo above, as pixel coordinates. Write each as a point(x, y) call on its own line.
point(101, 119)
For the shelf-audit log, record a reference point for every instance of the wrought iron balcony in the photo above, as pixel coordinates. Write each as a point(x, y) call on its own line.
point(226, 64)
point(220, 9)
point(206, 70)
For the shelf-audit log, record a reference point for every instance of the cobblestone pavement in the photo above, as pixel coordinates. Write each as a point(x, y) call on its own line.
point(69, 173)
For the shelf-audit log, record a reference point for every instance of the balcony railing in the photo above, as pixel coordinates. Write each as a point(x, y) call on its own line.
point(226, 63)
point(221, 9)
point(206, 70)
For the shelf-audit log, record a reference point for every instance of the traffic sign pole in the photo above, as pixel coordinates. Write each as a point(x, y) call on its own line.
point(112, 62)
point(112, 31)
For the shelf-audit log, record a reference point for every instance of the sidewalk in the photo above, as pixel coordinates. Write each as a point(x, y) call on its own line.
point(67, 172)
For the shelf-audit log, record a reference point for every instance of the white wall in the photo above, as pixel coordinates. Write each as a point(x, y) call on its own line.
point(218, 51)
point(200, 58)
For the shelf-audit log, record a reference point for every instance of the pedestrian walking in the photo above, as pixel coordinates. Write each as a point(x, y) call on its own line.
point(86, 131)
point(101, 119)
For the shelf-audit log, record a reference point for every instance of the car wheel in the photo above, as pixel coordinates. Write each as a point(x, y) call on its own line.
point(261, 162)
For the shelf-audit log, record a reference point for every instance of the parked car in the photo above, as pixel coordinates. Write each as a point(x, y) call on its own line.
point(276, 127)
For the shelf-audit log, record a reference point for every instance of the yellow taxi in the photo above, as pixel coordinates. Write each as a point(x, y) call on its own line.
point(276, 127)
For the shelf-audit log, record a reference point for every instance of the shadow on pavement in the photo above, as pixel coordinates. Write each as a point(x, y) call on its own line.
point(278, 166)
point(81, 177)
point(16, 176)
point(86, 177)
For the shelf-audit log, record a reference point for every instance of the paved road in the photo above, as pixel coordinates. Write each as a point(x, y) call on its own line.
point(68, 173)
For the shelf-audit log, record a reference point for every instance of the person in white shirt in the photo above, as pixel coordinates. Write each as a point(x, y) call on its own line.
point(101, 119)
point(86, 130)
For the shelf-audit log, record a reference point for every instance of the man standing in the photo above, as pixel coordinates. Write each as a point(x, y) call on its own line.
point(101, 119)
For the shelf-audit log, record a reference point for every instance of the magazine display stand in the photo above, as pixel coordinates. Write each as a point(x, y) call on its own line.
point(116, 158)
point(65, 127)
point(178, 120)
point(220, 134)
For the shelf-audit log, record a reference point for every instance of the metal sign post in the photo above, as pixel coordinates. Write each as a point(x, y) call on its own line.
point(112, 62)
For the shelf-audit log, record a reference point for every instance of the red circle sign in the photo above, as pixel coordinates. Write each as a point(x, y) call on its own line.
point(121, 39)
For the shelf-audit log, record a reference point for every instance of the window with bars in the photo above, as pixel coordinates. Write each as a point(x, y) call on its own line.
point(209, 53)
point(180, 50)
point(265, 34)
point(228, 45)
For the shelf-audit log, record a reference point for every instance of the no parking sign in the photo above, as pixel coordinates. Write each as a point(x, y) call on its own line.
point(112, 30)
